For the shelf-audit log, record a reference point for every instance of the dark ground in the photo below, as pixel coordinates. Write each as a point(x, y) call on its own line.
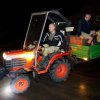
point(82, 84)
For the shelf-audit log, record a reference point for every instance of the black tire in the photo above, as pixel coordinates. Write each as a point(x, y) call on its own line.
point(65, 71)
point(72, 63)
point(20, 84)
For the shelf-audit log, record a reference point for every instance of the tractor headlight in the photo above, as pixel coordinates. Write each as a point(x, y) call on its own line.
point(26, 55)
point(4, 56)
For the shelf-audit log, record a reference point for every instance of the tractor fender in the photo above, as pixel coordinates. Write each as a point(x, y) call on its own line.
point(55, 57)
point(52, 58)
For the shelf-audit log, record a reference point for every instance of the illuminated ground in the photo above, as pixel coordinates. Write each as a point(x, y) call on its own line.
point(83, 84)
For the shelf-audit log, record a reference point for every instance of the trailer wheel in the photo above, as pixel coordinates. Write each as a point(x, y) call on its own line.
point(59, 71)
point(20, 84)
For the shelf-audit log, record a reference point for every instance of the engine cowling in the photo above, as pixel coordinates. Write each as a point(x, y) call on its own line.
point(18, 59)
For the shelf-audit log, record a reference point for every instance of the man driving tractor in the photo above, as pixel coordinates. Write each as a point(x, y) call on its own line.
point(53, 41)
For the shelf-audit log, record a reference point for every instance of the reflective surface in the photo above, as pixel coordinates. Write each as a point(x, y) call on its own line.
point(83, 84)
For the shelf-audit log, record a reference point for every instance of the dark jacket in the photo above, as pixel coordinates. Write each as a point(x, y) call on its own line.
point(58, 40)
point(84, 26)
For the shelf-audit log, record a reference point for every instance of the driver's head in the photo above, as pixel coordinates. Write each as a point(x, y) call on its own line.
point(52, 28)
point(87, 17)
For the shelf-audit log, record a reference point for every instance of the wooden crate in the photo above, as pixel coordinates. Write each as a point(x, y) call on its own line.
point(76, 40)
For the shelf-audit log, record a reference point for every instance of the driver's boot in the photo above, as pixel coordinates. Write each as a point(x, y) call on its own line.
point(44, 62)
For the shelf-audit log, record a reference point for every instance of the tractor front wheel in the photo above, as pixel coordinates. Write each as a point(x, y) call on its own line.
point(59, 70)
point(20, 84)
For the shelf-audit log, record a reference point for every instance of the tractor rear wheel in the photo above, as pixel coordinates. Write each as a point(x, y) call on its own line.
point(59, 70)
point(20, 84)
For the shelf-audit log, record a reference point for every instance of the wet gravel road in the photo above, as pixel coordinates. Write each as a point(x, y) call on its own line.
point(83, 83)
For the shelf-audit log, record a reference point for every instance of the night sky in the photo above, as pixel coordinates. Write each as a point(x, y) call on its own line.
point(15, 16)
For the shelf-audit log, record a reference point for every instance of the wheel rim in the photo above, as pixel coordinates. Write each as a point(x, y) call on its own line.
point(21, 84)
point(61, 70)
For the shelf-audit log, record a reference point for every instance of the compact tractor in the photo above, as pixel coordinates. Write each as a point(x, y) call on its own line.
point(19, 62)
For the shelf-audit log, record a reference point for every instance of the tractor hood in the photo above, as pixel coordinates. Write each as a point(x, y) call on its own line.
point(18, 54)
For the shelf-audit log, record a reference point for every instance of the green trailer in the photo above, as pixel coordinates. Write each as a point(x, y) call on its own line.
point(85, 52)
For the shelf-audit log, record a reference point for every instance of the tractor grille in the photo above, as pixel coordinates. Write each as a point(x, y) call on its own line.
point(15, 62)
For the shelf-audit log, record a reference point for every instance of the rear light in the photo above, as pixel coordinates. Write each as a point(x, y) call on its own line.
point(85, 59)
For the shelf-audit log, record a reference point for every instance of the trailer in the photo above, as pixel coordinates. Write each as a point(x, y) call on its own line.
point(80, 51)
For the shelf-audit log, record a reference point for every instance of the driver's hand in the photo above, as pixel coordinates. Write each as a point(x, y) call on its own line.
point(35, 42)
point(30, 47)
point(40, 48)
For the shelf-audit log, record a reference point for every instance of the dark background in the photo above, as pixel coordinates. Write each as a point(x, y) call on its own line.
point(14, 19)
point(15, 16)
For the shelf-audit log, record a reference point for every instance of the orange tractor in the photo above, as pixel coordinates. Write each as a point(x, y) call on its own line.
point(19, 62)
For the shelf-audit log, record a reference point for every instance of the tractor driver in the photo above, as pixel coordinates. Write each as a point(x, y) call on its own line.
point(53, 41)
